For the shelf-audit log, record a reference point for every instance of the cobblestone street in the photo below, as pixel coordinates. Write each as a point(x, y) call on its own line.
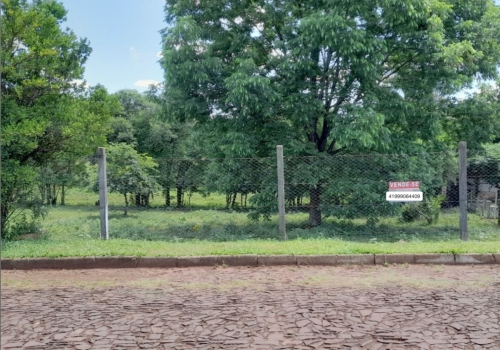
point(375, 308)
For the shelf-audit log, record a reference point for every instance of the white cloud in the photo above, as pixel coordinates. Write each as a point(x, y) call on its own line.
point(144, 83)
point(159, 54)
point(80, 82)
point(134, 53)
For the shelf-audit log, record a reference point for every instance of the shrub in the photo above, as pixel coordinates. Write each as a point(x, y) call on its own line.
point(23, 226)
point(410, 212)
point(428, 209)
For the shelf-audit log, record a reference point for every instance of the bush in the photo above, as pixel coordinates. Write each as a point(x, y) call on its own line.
point(23, 226)
point(428, 209)
point(410, 212)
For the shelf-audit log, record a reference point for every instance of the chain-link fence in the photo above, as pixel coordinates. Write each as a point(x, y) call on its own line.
point(341, 196)
point(483, 183)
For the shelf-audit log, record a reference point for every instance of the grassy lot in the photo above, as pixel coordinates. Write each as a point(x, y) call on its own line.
point(74, 230)
point(80, 197)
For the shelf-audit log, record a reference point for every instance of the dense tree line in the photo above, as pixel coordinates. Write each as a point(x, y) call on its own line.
point(326, 79)
point(48, 121)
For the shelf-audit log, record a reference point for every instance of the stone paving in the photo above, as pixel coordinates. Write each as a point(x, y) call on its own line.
point(272, 316)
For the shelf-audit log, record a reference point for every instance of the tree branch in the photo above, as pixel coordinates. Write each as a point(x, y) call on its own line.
point(395, 70)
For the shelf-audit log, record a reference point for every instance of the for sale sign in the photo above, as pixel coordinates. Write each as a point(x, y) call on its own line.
point(404, 185)
point(404, 191)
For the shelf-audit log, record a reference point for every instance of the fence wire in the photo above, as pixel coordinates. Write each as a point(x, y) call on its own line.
point(341, 196)
point(483, 183)
point(331, 196)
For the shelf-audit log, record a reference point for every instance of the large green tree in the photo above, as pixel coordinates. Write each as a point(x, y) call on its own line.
point(326, 77)
point(129, 172)
point(43, 110)
point(475, 118)
point(88, 114)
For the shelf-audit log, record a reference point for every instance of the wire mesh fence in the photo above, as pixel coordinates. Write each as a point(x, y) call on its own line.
point(342, 196)
point(483, 183)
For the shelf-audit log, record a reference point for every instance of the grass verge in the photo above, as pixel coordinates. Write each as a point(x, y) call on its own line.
point(73, 231)
point(124, 247)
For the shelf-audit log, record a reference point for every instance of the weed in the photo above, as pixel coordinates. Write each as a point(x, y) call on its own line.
point(74, 231)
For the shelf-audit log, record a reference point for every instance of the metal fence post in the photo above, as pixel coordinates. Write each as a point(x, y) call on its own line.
point(281, 192)
point(462, 188)
point(103, 192)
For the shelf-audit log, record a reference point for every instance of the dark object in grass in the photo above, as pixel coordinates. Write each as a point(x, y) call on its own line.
point(28, 236)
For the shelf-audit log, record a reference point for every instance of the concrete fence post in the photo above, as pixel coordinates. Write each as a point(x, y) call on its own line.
point(462, 188)
point(281, 192)
point(103, 192)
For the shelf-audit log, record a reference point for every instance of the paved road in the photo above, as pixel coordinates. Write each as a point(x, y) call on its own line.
point(279, 309)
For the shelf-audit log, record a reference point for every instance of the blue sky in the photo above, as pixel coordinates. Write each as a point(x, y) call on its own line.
point(124, 36)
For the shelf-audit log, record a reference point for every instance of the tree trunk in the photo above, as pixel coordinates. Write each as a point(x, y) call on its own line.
point(179, 196)
point(314, 211)
point(49, 194)
point(4, 216)
point(54, 195)
point(63, 195)
point(233, 201)
point(43, 193)
point(145, 200)
point(167, 196)
point(137, 200)
point(228, 200)
point(126, 204)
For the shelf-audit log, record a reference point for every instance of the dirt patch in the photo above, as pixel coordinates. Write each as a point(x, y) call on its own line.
point(359, 277)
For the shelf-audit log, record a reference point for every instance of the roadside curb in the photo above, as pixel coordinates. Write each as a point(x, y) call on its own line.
point(245, 260)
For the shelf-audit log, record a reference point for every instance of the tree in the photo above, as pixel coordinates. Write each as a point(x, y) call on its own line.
point(326, 77)
point(56, 178)
point(40, 62)
point(89, 115)
point(475, 119)
point(129, 172)
point(174, 145)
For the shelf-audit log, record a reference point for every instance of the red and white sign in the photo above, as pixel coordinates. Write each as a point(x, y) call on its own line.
point(404, 185)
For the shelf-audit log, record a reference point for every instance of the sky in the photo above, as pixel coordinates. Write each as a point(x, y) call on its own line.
point(125, 40)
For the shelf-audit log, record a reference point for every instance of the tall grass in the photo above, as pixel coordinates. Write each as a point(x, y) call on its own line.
point(73, 230)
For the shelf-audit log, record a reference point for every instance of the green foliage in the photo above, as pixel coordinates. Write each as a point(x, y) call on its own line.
point(26, 225)
point(475, 119)
point(485, 165)
point(429, 209)
point(410, 213)
point(129, 171)
point(331, 78)
point(47, 118)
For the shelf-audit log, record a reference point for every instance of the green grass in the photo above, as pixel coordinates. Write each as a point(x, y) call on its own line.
point(80, 197)
point(123, 247)
point(74, 231)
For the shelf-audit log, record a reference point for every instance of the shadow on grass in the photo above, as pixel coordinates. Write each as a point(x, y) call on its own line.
point(224, 226)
